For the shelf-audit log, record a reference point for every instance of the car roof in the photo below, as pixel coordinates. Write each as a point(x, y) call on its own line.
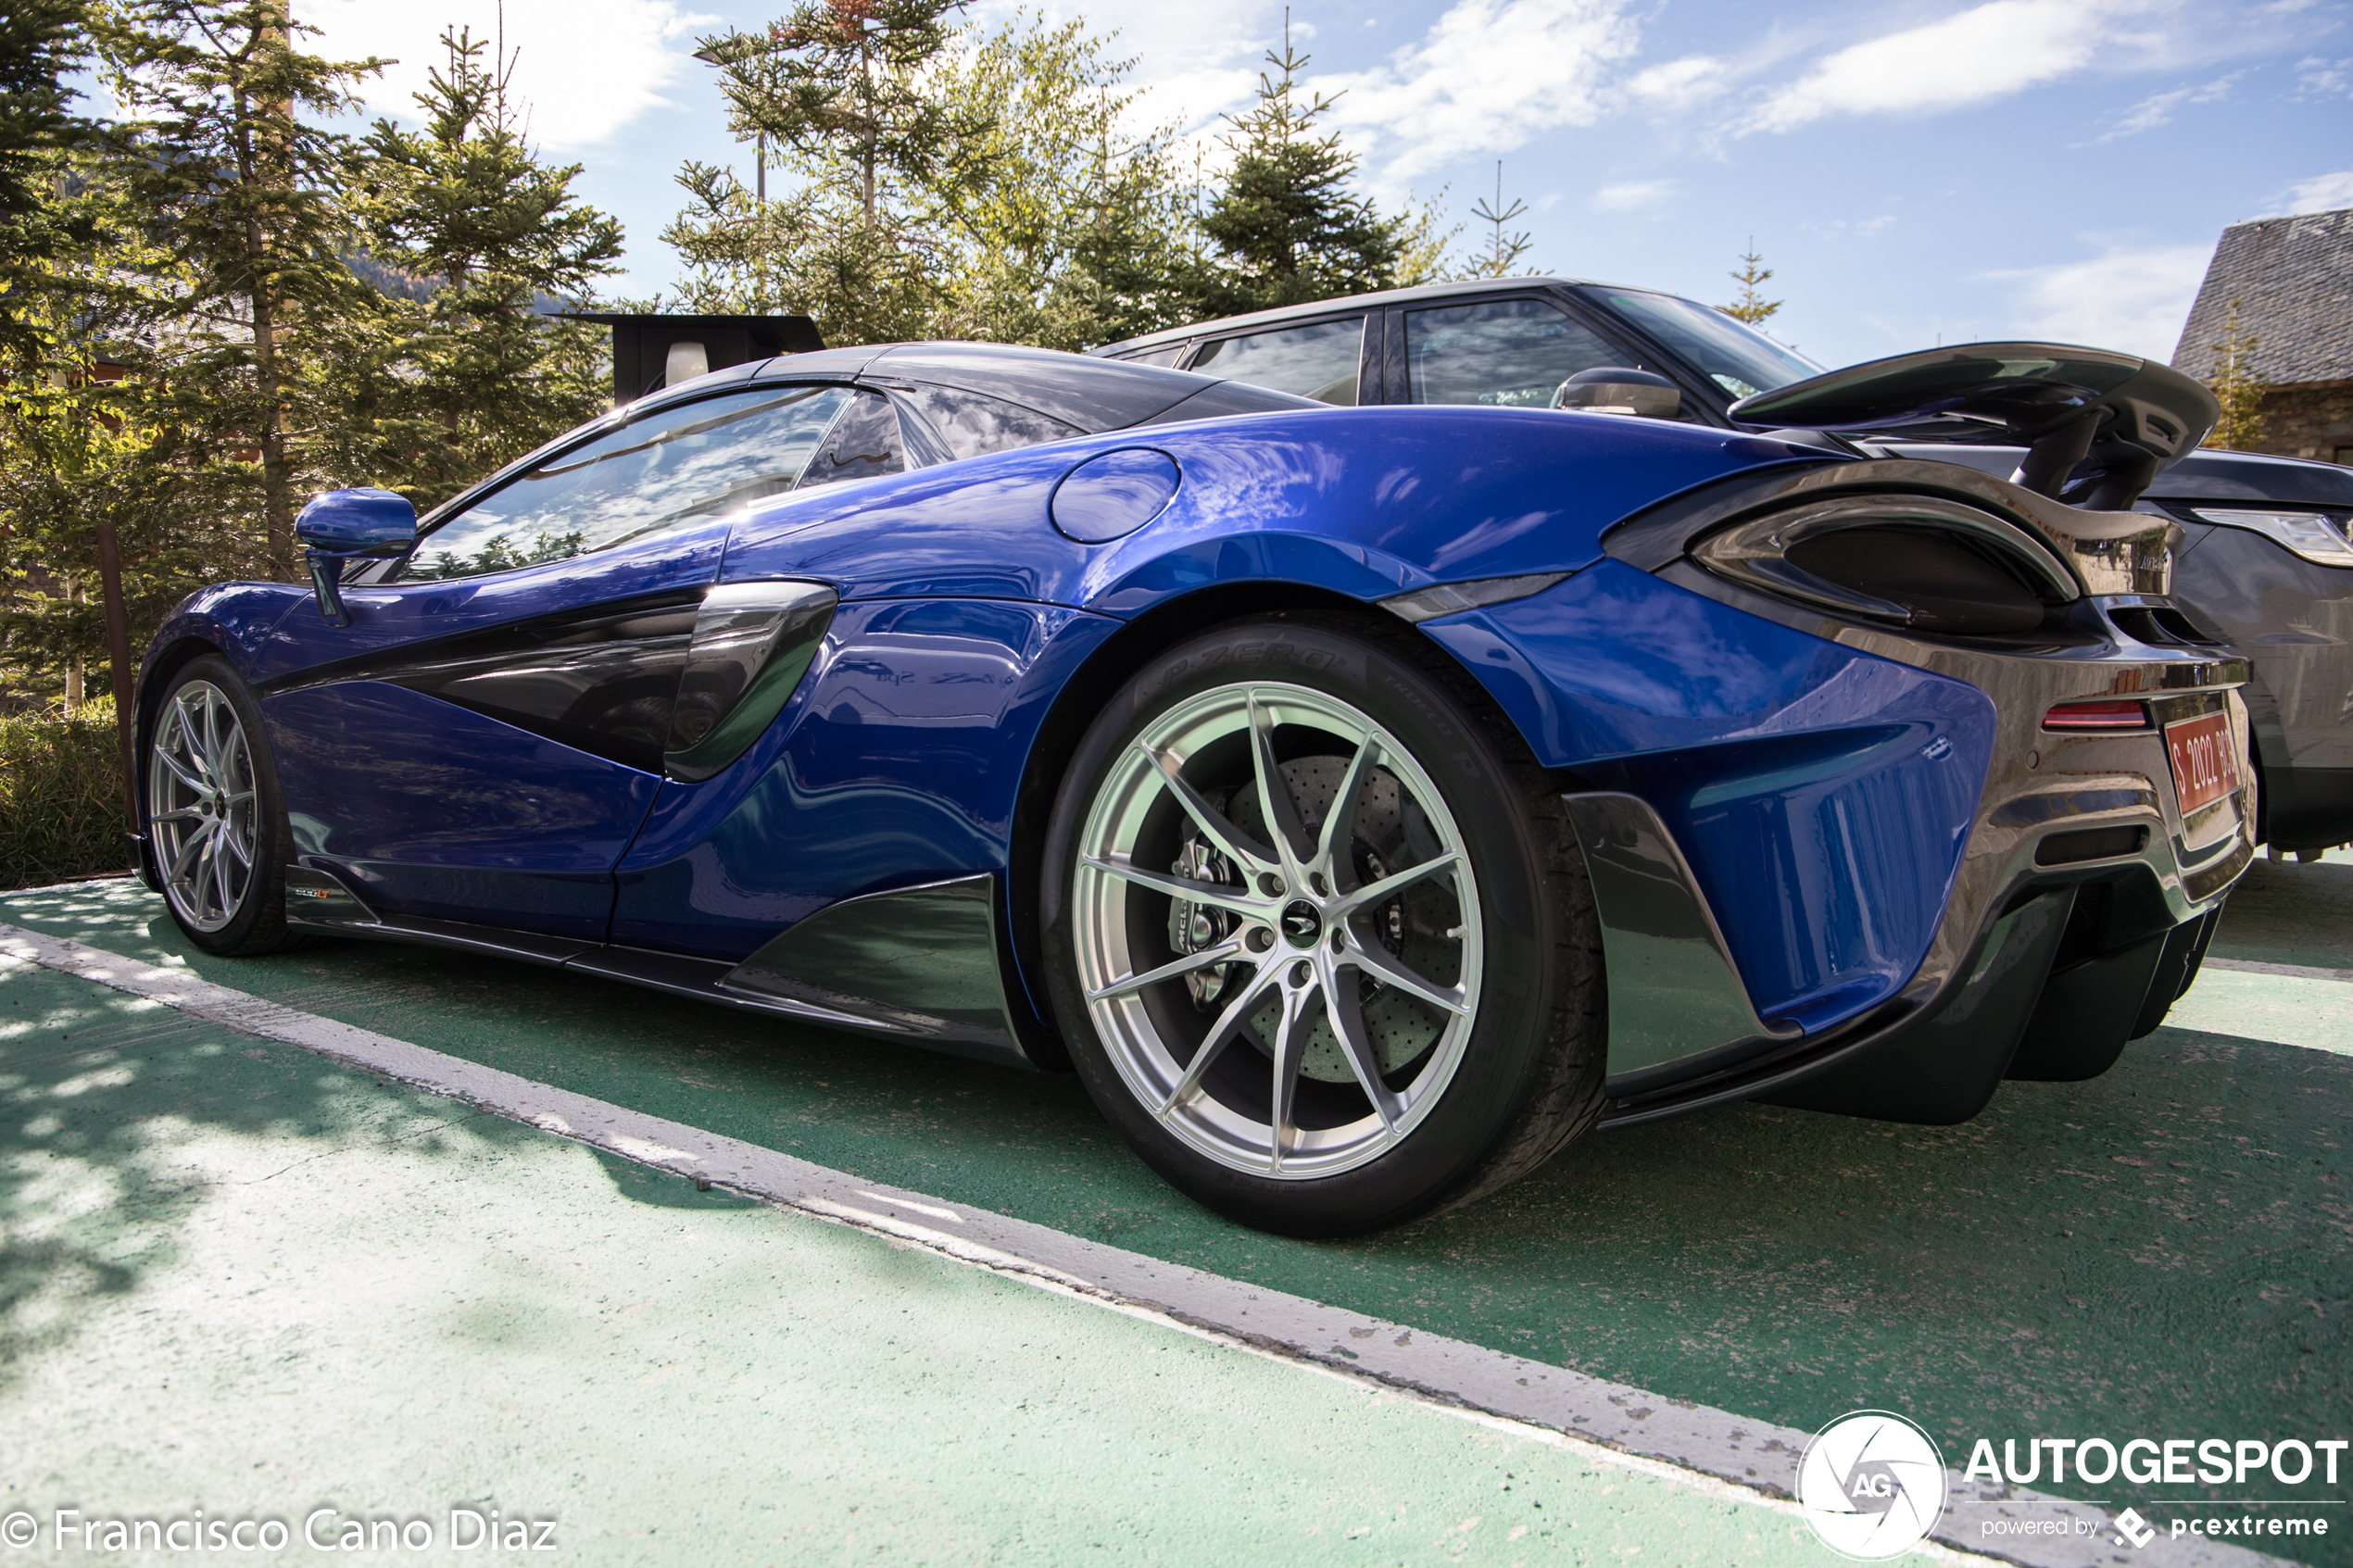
point(1419, 291)
point(1092, 394)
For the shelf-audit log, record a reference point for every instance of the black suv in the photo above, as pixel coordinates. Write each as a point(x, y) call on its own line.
point(2265, 559)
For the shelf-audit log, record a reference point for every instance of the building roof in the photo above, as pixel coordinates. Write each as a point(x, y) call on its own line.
point(2292, 279)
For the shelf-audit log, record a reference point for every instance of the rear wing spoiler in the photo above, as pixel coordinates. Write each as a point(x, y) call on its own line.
point(2098, 426)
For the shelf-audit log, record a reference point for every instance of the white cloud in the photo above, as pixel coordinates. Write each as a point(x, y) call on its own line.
point(1490, 76)
point(1987, 52)
point(2133, 300)
point(1851, 228)
point(2316, 77)
point(1678, 84)
point(2322, 193)
point(2158, 110)
point(1633, 196)
point(588, 68)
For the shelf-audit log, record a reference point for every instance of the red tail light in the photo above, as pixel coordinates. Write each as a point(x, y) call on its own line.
point(2098, 716)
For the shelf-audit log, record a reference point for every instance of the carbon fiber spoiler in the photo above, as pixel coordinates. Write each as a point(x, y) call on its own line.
point(2098, 426)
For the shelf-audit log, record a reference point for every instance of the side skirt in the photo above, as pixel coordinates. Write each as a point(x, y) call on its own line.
point(856, 965)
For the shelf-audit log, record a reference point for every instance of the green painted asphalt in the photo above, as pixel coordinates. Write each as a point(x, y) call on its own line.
point(240, 1282)
point(2165, 1250)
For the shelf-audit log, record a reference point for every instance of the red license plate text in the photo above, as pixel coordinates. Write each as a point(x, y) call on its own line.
point(2206, 762)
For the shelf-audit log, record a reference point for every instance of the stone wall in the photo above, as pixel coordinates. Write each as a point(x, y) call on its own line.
point(2309, 419)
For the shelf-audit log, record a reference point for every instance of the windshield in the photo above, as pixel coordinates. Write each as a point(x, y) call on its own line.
point(1730, 351)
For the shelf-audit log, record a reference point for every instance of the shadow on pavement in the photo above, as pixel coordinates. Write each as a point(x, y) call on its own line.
point(122, 1116)
point(2165, 1251)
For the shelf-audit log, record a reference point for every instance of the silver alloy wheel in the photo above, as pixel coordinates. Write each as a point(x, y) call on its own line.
point(201, 806)
point(1283, 938)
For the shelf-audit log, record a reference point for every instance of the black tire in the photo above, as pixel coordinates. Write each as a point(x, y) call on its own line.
point(1527, 1076)
point(251, 919)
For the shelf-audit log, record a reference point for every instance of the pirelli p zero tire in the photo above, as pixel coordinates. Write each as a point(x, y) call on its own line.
point(215, 823)
point(1318, 932)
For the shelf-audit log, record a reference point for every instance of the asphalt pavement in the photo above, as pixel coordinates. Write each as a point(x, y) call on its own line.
point(239, 1278)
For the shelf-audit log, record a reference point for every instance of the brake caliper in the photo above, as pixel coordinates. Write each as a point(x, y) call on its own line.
point(1191, 926)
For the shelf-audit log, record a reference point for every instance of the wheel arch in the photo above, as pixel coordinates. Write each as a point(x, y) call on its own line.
point(1082, 697)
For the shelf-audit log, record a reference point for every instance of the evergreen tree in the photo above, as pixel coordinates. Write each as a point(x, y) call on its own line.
point(1064, 228)
point(841, 85)
point(85, 439)
point(1286, 223)
point(229, 167)
point(1752, 306)
point(810, 252)
point(848, 92)
point(439, 390)
point(42, 42)
point(1503, 250)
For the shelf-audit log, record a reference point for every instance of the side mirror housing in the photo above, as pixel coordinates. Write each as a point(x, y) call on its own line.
point(346, 525)
point(1620, 389)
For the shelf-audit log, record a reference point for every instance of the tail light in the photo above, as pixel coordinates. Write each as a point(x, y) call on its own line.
point(2098, 716)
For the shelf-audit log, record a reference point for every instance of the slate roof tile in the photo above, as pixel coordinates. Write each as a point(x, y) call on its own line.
point(2293, 280)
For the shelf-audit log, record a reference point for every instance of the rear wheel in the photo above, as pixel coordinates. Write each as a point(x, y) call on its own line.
point(215, 822)
point(1319, 931)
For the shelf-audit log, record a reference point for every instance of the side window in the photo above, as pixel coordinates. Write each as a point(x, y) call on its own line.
point(683, 463)
point(969, 424)
point(1318, 361)
point(865, 443)
point(1510, 353)
point(1158, 356)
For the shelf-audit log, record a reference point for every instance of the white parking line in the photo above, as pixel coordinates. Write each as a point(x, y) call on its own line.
point(2294, 971)
point(1721, 1454)
point(2282, 1004)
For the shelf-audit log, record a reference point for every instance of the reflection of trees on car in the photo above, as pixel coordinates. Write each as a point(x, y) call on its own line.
point(701, 460)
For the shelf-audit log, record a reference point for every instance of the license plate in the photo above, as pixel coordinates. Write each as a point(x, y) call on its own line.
point(2206, 763)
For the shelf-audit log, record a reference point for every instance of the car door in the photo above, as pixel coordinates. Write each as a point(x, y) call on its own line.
point(482, 742)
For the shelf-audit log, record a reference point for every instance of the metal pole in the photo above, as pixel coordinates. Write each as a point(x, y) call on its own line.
point(762, 176)
point(118, 657)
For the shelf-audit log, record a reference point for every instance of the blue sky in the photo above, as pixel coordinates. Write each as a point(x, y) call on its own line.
point(1913, 173)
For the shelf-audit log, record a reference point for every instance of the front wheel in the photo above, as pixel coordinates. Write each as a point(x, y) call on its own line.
point(214, 823)
point(1319, 931)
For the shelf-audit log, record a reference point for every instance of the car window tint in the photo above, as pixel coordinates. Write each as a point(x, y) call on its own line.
point(1511, 353)
point(678, 464)
point(971, 424)
point(1168, 356)
point(1316, 361)
point(1730, 352)
point(864, 443)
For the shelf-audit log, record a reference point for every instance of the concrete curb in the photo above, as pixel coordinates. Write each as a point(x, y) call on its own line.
point(1756, 1457)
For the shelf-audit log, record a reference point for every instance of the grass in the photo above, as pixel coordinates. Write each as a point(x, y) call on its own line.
point(61, 806)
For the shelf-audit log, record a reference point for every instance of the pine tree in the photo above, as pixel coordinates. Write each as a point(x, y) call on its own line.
point(810, 252)
point(1752, 306)
point(847, 90)
point(1286, 223)
point(90, 435)
point(2236, 387)
point(230, 165)
point(42, 42)
point(842, 82)
point(1063, 228)
point(1503, 250)
point(440, 390)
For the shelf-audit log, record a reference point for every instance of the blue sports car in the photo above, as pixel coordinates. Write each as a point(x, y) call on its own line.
point(1365, 802)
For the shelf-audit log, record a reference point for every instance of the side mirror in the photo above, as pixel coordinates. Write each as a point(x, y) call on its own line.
point(346, 525)
point(1618, 389)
